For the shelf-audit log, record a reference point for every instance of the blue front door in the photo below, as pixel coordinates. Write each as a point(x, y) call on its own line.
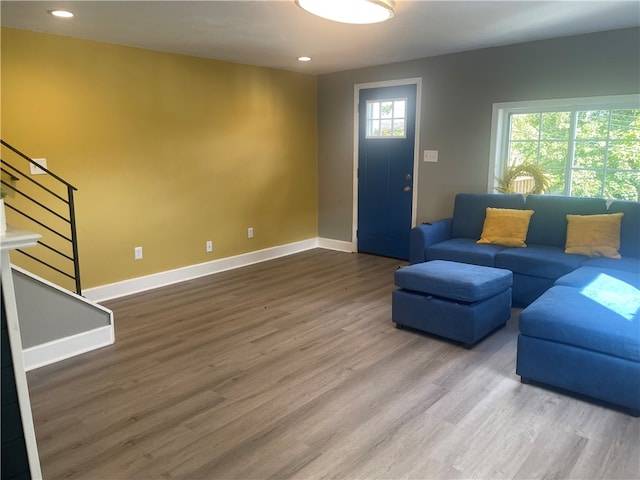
point(385, 169)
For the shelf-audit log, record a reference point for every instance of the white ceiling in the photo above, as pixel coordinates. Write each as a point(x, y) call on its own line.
point(274, 33)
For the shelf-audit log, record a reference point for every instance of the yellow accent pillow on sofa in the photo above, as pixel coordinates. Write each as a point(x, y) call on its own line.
point(594, 235)
point(505, 226)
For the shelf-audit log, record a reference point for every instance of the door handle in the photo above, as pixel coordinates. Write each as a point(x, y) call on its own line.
point(406, 189)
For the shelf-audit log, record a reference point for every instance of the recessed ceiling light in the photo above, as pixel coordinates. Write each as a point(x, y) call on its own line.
point(60, 13)
point(304, 59)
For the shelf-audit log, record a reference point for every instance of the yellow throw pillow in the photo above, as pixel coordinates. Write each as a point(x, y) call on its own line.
point(506, 226)
point(594, 235)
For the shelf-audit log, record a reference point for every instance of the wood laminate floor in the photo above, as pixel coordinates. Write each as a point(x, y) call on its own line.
point(292, 368)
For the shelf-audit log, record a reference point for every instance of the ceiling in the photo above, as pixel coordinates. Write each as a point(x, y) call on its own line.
point(273, 33)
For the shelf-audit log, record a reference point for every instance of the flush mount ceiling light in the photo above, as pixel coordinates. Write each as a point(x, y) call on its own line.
point(60, 13)
point(304, 59)
point(350, 11)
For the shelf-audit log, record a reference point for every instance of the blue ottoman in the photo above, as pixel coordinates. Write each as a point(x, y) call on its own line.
point(457, 301)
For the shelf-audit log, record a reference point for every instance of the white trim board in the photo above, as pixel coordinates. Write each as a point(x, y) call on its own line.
point(339, 245)
point(157, 280)
point(63, 348)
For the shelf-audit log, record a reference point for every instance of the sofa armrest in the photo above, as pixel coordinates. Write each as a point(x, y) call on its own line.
point(427, 234)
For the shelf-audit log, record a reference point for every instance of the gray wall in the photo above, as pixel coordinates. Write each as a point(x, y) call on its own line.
point(458, 92)
point(48, 314)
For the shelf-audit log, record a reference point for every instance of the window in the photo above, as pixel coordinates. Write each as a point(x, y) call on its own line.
point(386, 118)
point(586, 147)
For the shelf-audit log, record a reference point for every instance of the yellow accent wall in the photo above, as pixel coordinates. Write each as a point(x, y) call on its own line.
point(167, 151)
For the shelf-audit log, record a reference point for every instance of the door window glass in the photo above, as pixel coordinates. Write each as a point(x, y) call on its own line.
point(386, 118)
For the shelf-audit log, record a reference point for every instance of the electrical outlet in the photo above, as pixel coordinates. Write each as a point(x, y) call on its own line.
point(209, 246)
point(137, 253)
point(250, 232)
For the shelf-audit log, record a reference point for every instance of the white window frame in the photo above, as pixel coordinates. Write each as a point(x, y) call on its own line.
point(502, 111)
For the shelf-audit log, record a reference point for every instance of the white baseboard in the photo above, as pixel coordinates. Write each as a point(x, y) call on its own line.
point(61, 349)
point(339, 245)
point(149, 282)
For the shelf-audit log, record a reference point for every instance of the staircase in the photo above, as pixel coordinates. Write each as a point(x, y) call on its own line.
point(56, 321)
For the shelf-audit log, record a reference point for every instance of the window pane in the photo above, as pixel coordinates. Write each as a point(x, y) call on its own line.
point(399, 107)
point(523, 152)
point(589, 154)
point(373, 110)
point(398, 128)
point(386, 109)
point(553, 154)
point(525, 126)
point(556, 181)
point(625, 125)
point(593, 124)
point(624, 155)
point(586, 183)
point(622, 185)
point(385, 128)
point(373, 128)
point(555, 125)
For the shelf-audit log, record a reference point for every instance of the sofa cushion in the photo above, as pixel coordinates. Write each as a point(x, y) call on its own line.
point(454, 281)
point(567, 315)
point(594, 235)
point(628, 264)
point(549, 224)
point(585, 276)
point(505, 226)
point(629, 244)
point(464, 250)
point(470, 208)
point(539, 261)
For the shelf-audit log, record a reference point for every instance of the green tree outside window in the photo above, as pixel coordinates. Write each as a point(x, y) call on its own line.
point(593, 153)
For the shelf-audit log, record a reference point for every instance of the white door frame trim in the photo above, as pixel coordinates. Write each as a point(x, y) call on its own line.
point(417, 81)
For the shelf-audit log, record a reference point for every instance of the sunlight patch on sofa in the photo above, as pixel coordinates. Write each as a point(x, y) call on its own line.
point(614, 294)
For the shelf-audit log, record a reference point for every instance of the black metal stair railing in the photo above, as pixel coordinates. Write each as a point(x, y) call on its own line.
point(34, 204)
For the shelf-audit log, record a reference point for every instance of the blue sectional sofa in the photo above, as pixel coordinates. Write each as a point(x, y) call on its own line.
point(580, 327)
point(583, 336)
point(536, 267)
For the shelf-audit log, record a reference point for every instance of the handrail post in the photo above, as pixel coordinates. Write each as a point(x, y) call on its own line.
point(74, 240)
